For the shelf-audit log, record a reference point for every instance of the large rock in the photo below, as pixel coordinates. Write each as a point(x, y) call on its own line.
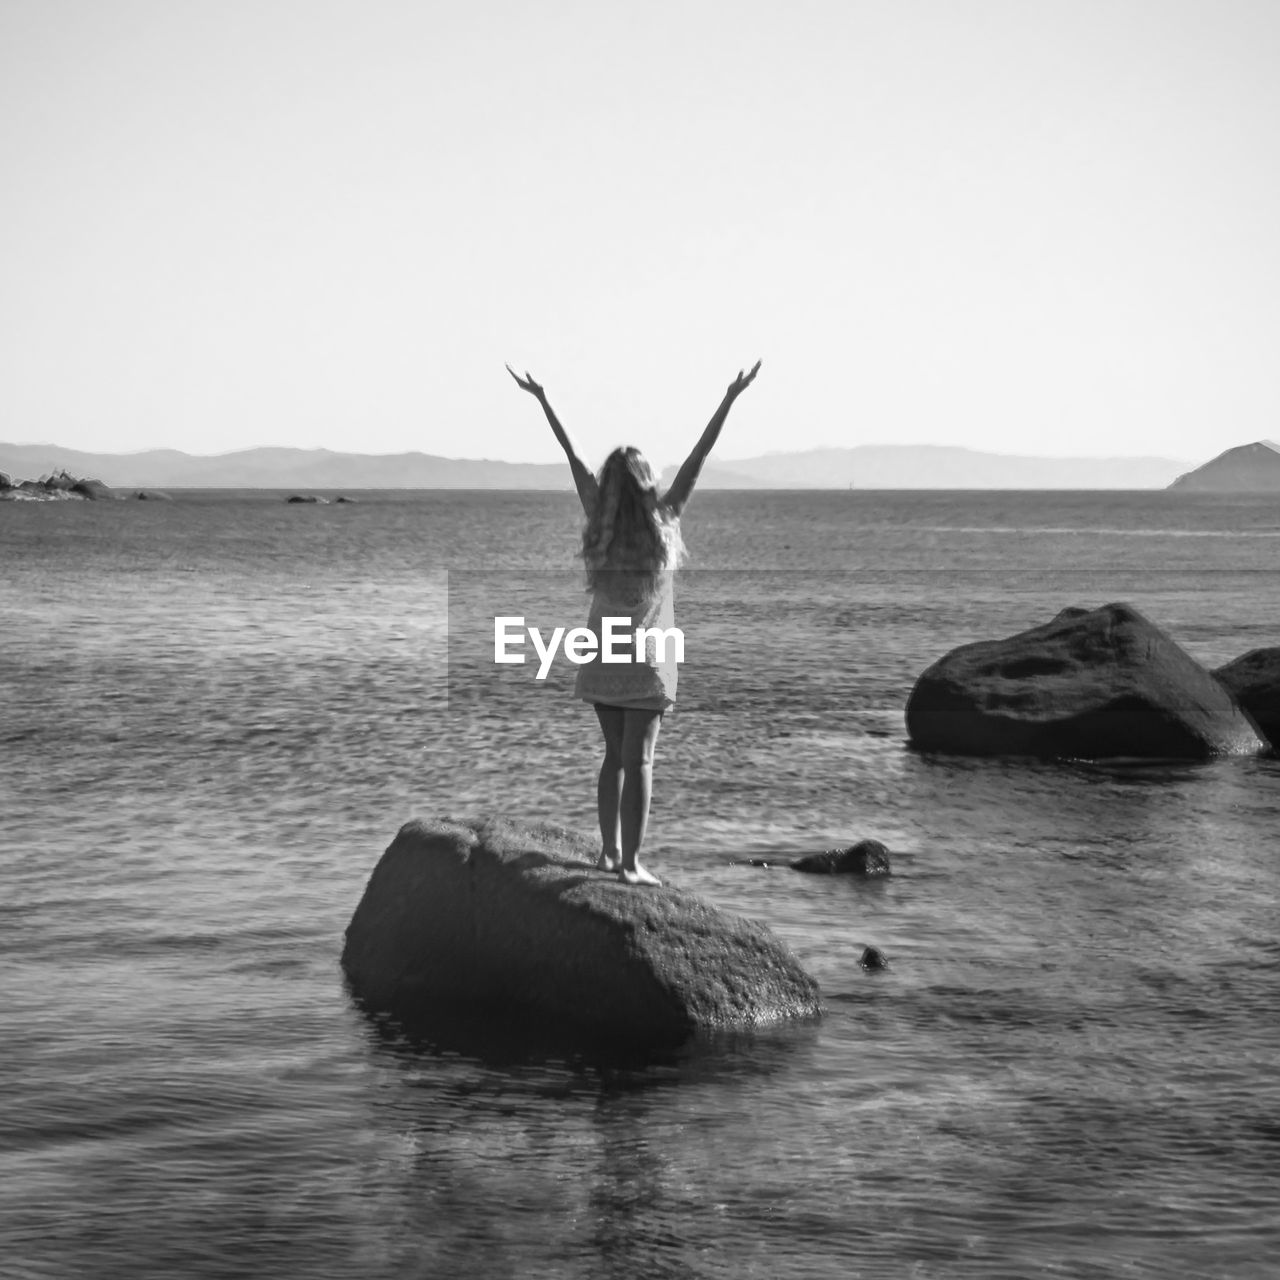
point(92, 489)
point(1091, 684)
point(514, 921)
point(1254, 682)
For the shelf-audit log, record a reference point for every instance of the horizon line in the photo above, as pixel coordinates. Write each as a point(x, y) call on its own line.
point(718, 461)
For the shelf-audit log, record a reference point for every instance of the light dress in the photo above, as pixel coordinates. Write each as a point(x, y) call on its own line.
point(649, 683)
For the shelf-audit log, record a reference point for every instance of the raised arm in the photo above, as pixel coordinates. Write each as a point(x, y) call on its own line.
point(687, 476)
point(584, 481)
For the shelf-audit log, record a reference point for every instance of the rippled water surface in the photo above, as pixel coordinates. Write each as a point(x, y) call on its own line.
point(215, 713)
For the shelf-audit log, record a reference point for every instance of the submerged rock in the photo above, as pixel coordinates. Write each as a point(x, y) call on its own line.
point(515, 921)
point(1254, 682)
point(1090, 684)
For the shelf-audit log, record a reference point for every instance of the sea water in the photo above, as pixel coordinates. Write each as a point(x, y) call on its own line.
point(216, 712)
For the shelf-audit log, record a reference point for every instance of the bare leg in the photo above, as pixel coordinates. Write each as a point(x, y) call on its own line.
point(639, 738)
point(609, 787)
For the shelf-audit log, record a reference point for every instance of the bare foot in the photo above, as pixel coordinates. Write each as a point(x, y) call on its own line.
point(637, 875)
point(609, 861)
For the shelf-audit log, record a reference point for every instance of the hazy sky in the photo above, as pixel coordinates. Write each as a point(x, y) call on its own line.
point(1019, 225)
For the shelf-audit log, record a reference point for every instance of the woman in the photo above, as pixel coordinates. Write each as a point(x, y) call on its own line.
point(631, 546)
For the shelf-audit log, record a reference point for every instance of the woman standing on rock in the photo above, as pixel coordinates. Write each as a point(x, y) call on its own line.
point(631, 546)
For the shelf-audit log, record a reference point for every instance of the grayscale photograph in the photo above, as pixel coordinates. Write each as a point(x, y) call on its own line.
point(639, 642)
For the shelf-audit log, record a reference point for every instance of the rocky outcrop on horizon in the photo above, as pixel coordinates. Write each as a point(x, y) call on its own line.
point(62, 485)
point(1090, 684)
point(514, 922)
point(56, 487)
point(1248, 468)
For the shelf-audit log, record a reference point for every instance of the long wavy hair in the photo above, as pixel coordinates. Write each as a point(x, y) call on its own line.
point(628, 533)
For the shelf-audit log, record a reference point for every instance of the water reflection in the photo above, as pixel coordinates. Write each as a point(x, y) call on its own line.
point(537, 1050)
point(501, 1127)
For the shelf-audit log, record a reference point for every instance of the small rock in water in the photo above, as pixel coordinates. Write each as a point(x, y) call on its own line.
point(866, 858)
point(873, 958)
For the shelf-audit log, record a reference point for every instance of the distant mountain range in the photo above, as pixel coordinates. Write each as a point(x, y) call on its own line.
point(272, 468)
point(887, 466)
point(861, 467)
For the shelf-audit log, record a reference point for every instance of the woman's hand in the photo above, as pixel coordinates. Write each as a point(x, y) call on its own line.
point(738, 385)
point(682, 486)
point(527, 383)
